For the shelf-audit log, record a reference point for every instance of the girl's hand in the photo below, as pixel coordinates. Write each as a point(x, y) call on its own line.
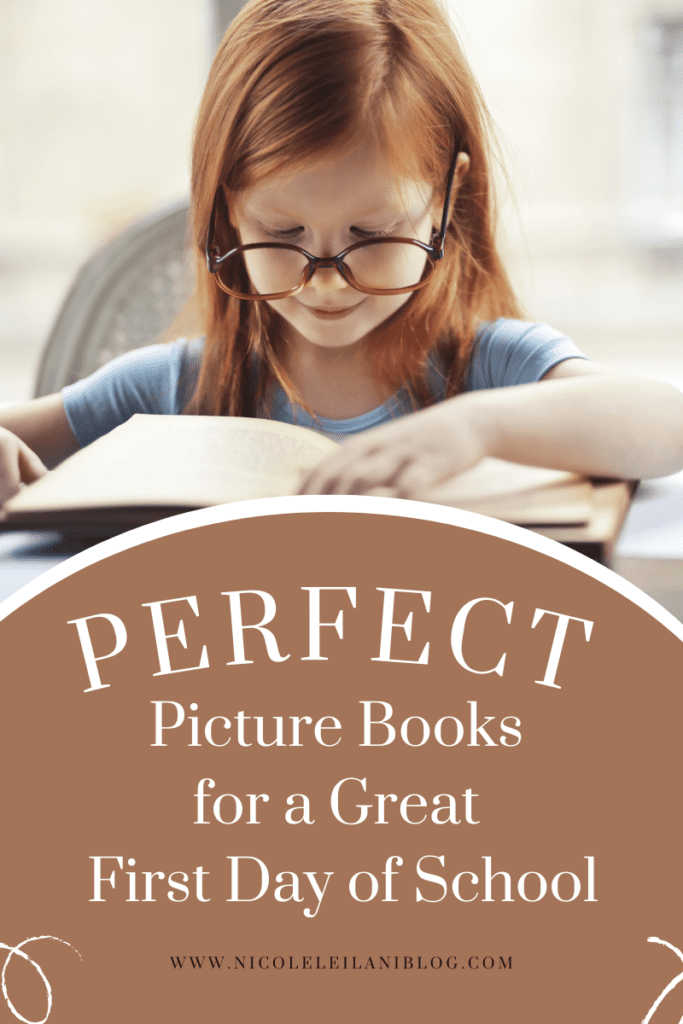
point(405, 458)
point(581, 417)
point(18, 464)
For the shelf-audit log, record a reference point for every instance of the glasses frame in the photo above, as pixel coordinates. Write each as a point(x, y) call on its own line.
point(434, 252)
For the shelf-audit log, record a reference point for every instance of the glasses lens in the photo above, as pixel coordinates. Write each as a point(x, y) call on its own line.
point(269, 271)
point(387, 265)
point(384, 265)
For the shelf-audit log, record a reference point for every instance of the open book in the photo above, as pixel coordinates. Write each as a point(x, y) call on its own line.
point(155, 466)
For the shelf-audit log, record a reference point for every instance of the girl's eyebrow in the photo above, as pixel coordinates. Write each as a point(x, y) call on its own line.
point(367, 214)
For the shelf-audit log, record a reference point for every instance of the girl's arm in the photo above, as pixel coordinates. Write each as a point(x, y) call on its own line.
point(30, 434)
point(581, 417)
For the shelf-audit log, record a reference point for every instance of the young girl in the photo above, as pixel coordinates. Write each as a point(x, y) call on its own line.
point(348, 277)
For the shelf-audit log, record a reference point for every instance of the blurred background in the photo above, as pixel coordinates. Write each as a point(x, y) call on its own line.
point(98, 98)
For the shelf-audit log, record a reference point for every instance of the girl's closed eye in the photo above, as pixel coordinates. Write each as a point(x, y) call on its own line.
point(291, 234)
point(376, 232)
point(283, 233)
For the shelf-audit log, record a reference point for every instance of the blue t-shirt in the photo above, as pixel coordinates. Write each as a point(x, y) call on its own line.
point(162, 379)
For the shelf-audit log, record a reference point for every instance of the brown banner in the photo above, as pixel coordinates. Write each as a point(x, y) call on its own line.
point(339, 765)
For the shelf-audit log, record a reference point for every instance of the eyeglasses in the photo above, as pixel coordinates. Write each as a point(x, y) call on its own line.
point(375, 266)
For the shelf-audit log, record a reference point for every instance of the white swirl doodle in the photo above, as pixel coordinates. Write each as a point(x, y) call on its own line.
point(18, 951)
point(672, 984)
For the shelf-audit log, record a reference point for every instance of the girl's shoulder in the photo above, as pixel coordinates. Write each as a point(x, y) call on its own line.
point(155, 379)
point(508, 352)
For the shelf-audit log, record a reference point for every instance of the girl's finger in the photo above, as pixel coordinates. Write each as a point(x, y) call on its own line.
point(30, 466)
point(18, 464)
point(417, 477)
point(317, 481)
point(363, 475)
point(10, 479)
point(324, 478)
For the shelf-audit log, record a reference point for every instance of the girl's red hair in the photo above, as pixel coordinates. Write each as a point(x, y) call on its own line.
point(294, 80)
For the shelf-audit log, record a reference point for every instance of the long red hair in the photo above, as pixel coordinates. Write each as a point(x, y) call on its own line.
point(294, 80)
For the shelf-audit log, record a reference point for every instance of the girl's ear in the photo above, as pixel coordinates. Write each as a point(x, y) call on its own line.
point(462, 166)
point(226, 226)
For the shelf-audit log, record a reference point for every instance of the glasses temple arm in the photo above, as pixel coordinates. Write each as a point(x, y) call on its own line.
point(210, 247)
point(447, 203)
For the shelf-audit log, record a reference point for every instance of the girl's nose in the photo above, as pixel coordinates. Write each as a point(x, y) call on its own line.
point(327, 279)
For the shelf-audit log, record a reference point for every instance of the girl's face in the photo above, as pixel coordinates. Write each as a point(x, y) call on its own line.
point(324, 210)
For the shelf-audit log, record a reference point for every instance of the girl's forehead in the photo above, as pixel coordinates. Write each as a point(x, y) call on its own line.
point(358, 178)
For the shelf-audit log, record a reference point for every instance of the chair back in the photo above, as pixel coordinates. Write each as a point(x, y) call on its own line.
point(124, 297)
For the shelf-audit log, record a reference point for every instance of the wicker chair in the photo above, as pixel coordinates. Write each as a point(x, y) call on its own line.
point(124, 297)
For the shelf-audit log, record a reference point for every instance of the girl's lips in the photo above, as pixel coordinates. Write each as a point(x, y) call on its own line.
point(333, 314)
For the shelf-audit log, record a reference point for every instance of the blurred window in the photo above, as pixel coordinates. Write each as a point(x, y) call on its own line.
point(663, 64)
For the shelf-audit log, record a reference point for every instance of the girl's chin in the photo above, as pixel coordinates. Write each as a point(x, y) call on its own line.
point(332, 333)
point(337, 331)
point(331, 339)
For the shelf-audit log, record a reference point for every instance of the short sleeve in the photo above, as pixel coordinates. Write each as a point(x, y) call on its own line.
point(509, 352)
point(157, 379)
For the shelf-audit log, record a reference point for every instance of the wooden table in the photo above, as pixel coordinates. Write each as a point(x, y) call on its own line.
point(596, 539)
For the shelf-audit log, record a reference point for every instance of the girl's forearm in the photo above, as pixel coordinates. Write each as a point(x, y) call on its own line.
point(603, 425)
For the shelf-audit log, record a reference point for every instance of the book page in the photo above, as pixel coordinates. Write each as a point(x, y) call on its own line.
point(180, 460)
point(518, 494)
point(197, 461)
